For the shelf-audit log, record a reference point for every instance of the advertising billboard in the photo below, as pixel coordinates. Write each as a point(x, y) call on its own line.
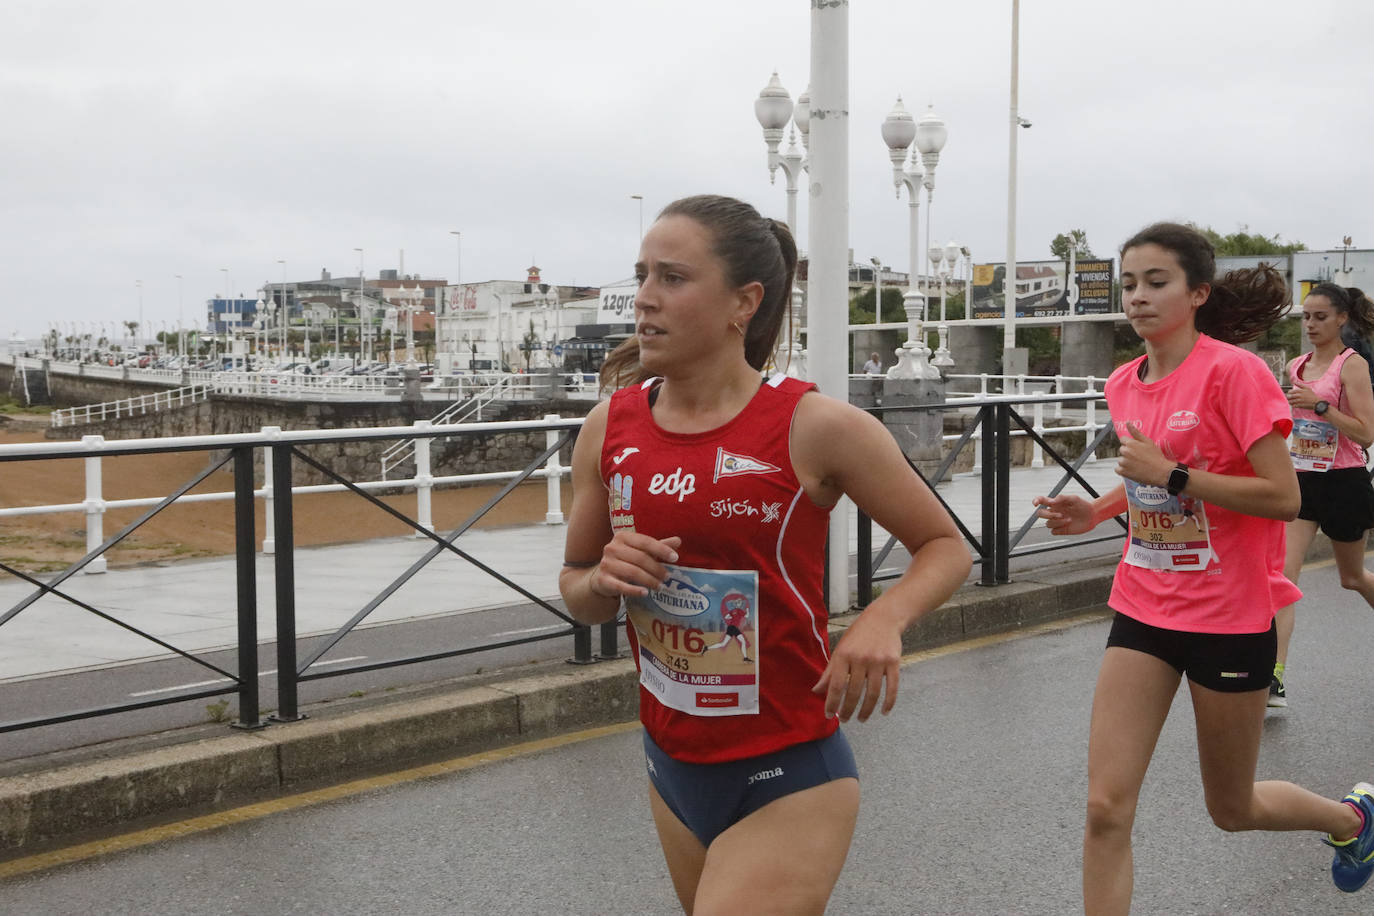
point(617, 305)
point(1042, 290)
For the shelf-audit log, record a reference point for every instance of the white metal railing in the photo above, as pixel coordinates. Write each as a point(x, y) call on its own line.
point(129, 407)
point(1038, 391)
point(457, 412)
point(422, 482)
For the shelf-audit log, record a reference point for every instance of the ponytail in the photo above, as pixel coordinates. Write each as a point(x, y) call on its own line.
point(751, 249)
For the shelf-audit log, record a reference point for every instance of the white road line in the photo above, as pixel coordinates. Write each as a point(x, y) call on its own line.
point(225, 680)
point(556, 626)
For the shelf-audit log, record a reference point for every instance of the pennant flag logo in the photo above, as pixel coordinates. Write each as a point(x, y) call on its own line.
point(728, 464)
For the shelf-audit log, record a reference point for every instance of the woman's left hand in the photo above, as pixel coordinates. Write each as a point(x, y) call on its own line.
point(869, 653)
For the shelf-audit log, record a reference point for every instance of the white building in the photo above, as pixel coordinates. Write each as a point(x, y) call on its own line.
point(507, 324)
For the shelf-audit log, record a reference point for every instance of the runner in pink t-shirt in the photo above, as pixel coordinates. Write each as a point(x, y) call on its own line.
point(1199, 420)
point(1333, 417)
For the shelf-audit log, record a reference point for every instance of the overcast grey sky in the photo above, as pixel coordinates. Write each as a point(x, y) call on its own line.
point(161, 137)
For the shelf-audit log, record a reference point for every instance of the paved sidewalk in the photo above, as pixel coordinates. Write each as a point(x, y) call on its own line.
point(191, 604)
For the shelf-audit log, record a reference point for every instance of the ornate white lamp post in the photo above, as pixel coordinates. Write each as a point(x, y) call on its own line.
point(913, 357)
point(931, 135)
point(774, 108)
point(944, 259)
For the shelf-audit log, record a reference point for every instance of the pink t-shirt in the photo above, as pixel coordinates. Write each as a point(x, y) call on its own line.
point(1207, 413)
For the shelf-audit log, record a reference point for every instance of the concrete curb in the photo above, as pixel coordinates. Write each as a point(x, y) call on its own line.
point(44, 808)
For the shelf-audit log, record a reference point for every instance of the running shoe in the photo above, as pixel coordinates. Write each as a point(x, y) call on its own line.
point(1278, 697)
point(1354, 859)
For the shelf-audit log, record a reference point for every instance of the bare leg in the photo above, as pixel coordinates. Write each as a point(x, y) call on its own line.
point(1350, 562)
point(1300, 533)
point(681, 849)
point(1134, 692)
point(784, 858)
point(1228, 737)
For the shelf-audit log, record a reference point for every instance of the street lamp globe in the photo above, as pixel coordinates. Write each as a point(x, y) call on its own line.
point(773, 108)
point(801, 116)
point(952, 251)
point(931, 135)
point(899, 129)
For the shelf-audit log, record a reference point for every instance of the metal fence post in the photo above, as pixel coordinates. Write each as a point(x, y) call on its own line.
point(988, 454)
point(865, 560)
point(285, 578)
point(269, 541)
point(582, 646)
point(246, 560)
point(1038, 424)
point(610, 645)
point(554, 478)
point(424, 480)
point(95, 505)
point(1002, 548)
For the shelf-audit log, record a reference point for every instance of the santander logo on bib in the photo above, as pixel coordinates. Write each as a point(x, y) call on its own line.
point(1182, 420)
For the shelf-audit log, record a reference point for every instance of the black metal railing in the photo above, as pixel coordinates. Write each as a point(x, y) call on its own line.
point(996, 544)
point(992, 422)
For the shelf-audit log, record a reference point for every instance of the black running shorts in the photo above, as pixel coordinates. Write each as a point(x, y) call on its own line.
point(1341, 502)
point(1228, 662)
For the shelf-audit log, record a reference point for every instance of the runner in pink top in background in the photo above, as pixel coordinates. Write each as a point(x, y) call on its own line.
point(1333, 423)
point(1207, 485)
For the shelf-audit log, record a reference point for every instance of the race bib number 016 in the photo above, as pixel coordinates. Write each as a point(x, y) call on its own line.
point(1167, 532)
point(1312, 444)
point(698, 640)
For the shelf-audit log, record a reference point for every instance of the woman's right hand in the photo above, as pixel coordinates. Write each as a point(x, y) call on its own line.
point(632, 563)
point(1066, 514)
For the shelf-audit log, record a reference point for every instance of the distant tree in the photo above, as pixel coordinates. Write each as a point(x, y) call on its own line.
point(1243, 242)
point(1075, 240)
point(861, 306)
point(529, 344)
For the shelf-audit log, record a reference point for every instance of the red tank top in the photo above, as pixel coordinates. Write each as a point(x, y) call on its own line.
point(752, 558)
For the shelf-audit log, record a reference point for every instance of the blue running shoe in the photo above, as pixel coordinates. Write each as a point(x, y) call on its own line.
point(1354, 859)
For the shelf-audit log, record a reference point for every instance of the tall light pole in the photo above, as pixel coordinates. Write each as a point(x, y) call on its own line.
point(360, 304)
point(181, 324)
point(828, 248)
point(899, 132)
point(139, 284)
point(284, 309)
point(228, 285)
point(640, 198)
point(877, 290)
point(459, 236)
point(1015, 121)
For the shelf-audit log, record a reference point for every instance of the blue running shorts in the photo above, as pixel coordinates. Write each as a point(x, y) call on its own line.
point(712, 797)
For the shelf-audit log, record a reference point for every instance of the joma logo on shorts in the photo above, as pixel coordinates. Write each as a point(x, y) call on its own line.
point(761, 775)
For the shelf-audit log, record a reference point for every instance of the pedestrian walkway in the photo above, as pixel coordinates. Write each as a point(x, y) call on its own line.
point(191, 603)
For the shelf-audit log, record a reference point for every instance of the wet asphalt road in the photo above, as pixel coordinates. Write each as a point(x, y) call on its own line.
point(972, 803)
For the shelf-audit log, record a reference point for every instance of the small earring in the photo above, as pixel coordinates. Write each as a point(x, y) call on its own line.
point(735, 325)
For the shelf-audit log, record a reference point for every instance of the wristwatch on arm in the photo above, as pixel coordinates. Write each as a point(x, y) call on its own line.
point(1178, 479)
point(1320, 408)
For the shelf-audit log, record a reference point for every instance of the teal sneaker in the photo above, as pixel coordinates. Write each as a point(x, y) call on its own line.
point(1354, 859)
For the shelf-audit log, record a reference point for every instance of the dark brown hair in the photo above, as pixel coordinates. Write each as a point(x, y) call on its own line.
point(751, 248)
point(1351, 302)
point(1241, 305)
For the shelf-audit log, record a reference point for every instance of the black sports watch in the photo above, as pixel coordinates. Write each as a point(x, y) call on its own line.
point(1178, 479)
point(1320, 408)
